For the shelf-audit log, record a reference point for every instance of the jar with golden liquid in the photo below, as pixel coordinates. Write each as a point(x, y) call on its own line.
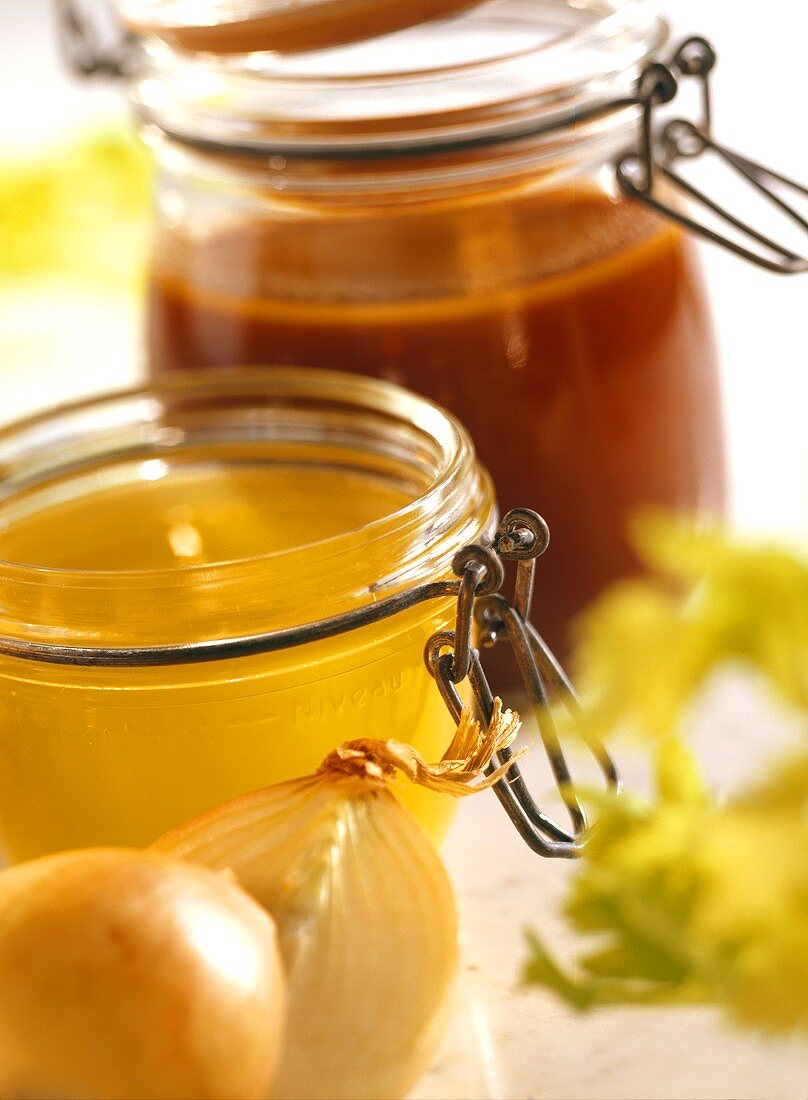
point(157, 547)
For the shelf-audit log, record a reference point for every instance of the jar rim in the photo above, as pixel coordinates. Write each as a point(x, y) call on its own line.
point(457, 448)
point(556, 60)
point(146, 422)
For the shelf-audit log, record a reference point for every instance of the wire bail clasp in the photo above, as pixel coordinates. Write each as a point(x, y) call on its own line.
point(522, 537)
point(658, 154)
point(86, 48)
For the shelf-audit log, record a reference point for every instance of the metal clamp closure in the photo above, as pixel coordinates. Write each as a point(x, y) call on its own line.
point(522, 537)
point(84, 47)
point(681, 139)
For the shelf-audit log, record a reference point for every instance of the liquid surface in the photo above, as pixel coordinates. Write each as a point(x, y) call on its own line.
point(159, 514)
point(569, 331)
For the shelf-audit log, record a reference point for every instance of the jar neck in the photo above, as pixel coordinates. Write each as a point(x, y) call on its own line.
point(291, 417)
point(511, 83)
point(399, 181)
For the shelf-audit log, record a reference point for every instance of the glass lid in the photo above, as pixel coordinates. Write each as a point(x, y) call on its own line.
point(285, 26)
point(501, 67)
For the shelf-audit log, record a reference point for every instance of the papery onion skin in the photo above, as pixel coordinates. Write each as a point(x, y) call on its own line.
point(367, 927)
point(127, 975)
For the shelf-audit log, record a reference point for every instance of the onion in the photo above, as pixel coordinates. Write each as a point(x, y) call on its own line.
point(129, 975)
point(365, 912)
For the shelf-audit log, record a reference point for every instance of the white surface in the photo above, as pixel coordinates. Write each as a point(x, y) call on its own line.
point(508, 1042)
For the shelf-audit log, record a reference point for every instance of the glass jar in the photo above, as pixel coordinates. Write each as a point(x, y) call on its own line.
point(440, 209)
point(203, 509)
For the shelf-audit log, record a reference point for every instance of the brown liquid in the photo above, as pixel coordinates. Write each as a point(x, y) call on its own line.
point(578, 350)
point(311, 26)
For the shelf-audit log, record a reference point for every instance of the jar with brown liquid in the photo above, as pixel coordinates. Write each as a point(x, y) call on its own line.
point(426, 209)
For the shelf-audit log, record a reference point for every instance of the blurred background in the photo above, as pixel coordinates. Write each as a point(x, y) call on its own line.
point(61, 336)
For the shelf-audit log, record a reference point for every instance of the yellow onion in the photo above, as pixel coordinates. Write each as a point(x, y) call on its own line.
point(128, 975)
point(365, 912)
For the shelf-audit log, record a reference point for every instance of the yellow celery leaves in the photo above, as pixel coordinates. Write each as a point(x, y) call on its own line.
point(634, 893)
point(81, 213)
point(649, 645)
point(689, 901)
point(683, 898)
point(758, 856)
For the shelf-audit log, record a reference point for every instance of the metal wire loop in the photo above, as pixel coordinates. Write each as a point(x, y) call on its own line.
point(683, 139)
point(461, 659)
point(492, 571)
point(83, 47)
point(522, 536)
point(538, 831)
point(695, 57)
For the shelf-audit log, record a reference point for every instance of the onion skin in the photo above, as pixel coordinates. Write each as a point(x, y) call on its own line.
point(366, 921)
point(127, 975)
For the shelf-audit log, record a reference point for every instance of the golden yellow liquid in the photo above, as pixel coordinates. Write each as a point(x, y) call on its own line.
point(93, 756)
